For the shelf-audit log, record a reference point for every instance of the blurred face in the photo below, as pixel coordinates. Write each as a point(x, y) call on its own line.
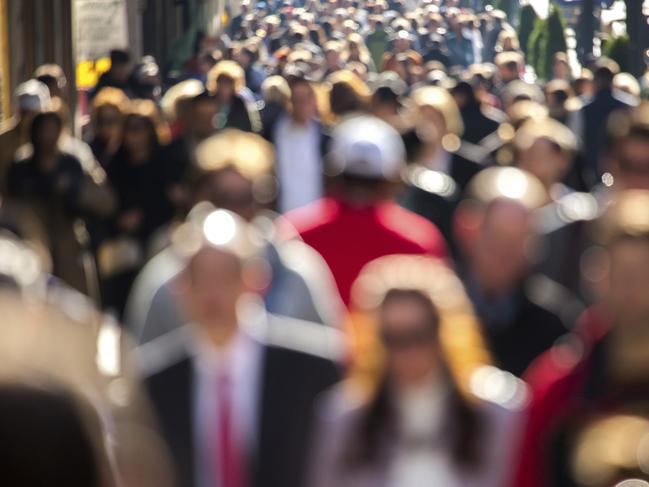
point(499, 257)
point(410, 340)
point(200, 118)
point(212, 287)
point(229, 190)
point(332, 58)
point(561, 70)
point(632, 164)
point(107, 123)
point(122, 72)
point(432, 126)
point(303, 102)
point(136, 134)
point(224, 89)
point(545, 160)
point(48, 136)
point(628, 289)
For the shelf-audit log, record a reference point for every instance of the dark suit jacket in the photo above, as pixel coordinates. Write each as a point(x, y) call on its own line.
point(291, 380)
point(595, 116)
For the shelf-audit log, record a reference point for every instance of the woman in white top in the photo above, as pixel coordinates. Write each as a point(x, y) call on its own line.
point(426, 421)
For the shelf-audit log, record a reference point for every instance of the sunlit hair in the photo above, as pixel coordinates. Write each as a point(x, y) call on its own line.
point(546, 129)
point(177, 94)
point(355, 39)
point(109, 96)
point(440, 100)
point(628, 83)
point(148, 110)
point(347, 93)
point(248, 153)
point(230, 70)
point(627, 218)
point(460, 338)
point(504, 36)
point(506, 183)
point(276, 90)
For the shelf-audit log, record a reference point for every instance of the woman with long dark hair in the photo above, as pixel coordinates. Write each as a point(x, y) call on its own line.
point(136, 174)
point(429, 412)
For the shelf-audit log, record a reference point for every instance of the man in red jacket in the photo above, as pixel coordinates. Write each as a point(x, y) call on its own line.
point(359, 222)
point(589, 419)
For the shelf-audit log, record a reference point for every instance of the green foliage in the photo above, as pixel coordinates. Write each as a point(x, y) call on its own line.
point(547, 38)
point(556, 38)
point(526, 21)
point(618, 50)
point(534, 43)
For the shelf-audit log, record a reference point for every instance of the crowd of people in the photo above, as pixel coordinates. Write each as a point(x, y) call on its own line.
point(353, 243)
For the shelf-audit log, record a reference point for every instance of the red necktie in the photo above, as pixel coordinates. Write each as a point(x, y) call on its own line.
point(230, 460)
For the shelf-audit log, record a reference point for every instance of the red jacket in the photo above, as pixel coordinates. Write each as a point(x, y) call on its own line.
point(348, 237)
point(556, 380)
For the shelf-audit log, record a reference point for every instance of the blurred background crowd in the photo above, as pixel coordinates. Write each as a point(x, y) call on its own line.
point(351, 243)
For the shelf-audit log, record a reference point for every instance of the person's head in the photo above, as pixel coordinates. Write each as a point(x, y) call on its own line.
point(348, 93)
point(32, 97)
point(425, 325)
point(583, 85)
point(236, 172)
point(437, 116)
point(200, 116)
point(561, 66)
point(464, 94)
point(108, 109)
point(495, 229)
point(225, 80)
point(545, 148)
point(365, 161)
point(605, 71)
point(142, 130)
point(47, 440)
point(509, 66)
point(388, 90)
point(402, 41)
point(627, 157)
point(304, 106)
point(507, 41)
point(222, 263)
point(52, 76)
point(276, 90)
point(121, 65)
point(45, 131)
point(332, 52)
point(624, 233)
point(628, 84)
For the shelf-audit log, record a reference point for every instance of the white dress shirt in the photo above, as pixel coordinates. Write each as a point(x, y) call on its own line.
point(299, 165)
point(242, 360)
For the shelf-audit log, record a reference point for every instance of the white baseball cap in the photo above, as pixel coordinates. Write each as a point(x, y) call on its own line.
point(368, 147)
point(33, 96)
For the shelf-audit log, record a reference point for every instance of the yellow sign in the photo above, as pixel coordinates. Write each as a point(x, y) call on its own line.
point(88, 72)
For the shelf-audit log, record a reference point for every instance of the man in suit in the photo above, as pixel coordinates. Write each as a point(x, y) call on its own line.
point(521, 313)
point(233, 390)
point(589, 123)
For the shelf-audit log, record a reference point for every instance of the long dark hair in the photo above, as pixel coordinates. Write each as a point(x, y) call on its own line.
point(379, 418)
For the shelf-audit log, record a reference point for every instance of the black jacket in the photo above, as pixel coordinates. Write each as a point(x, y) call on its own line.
point(291, 379)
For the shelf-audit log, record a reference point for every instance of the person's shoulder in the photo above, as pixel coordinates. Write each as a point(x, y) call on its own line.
point(313, 216)
point(560, 307)
point(163, 355)
point(304, 341)
point(9, 127)
point(412, 228)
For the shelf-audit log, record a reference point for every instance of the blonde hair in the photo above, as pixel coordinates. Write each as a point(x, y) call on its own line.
point(459, 331)
point(440, 100)
point(276, 89)
point(248, 153)
point(627, 83)
point(230, 70)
